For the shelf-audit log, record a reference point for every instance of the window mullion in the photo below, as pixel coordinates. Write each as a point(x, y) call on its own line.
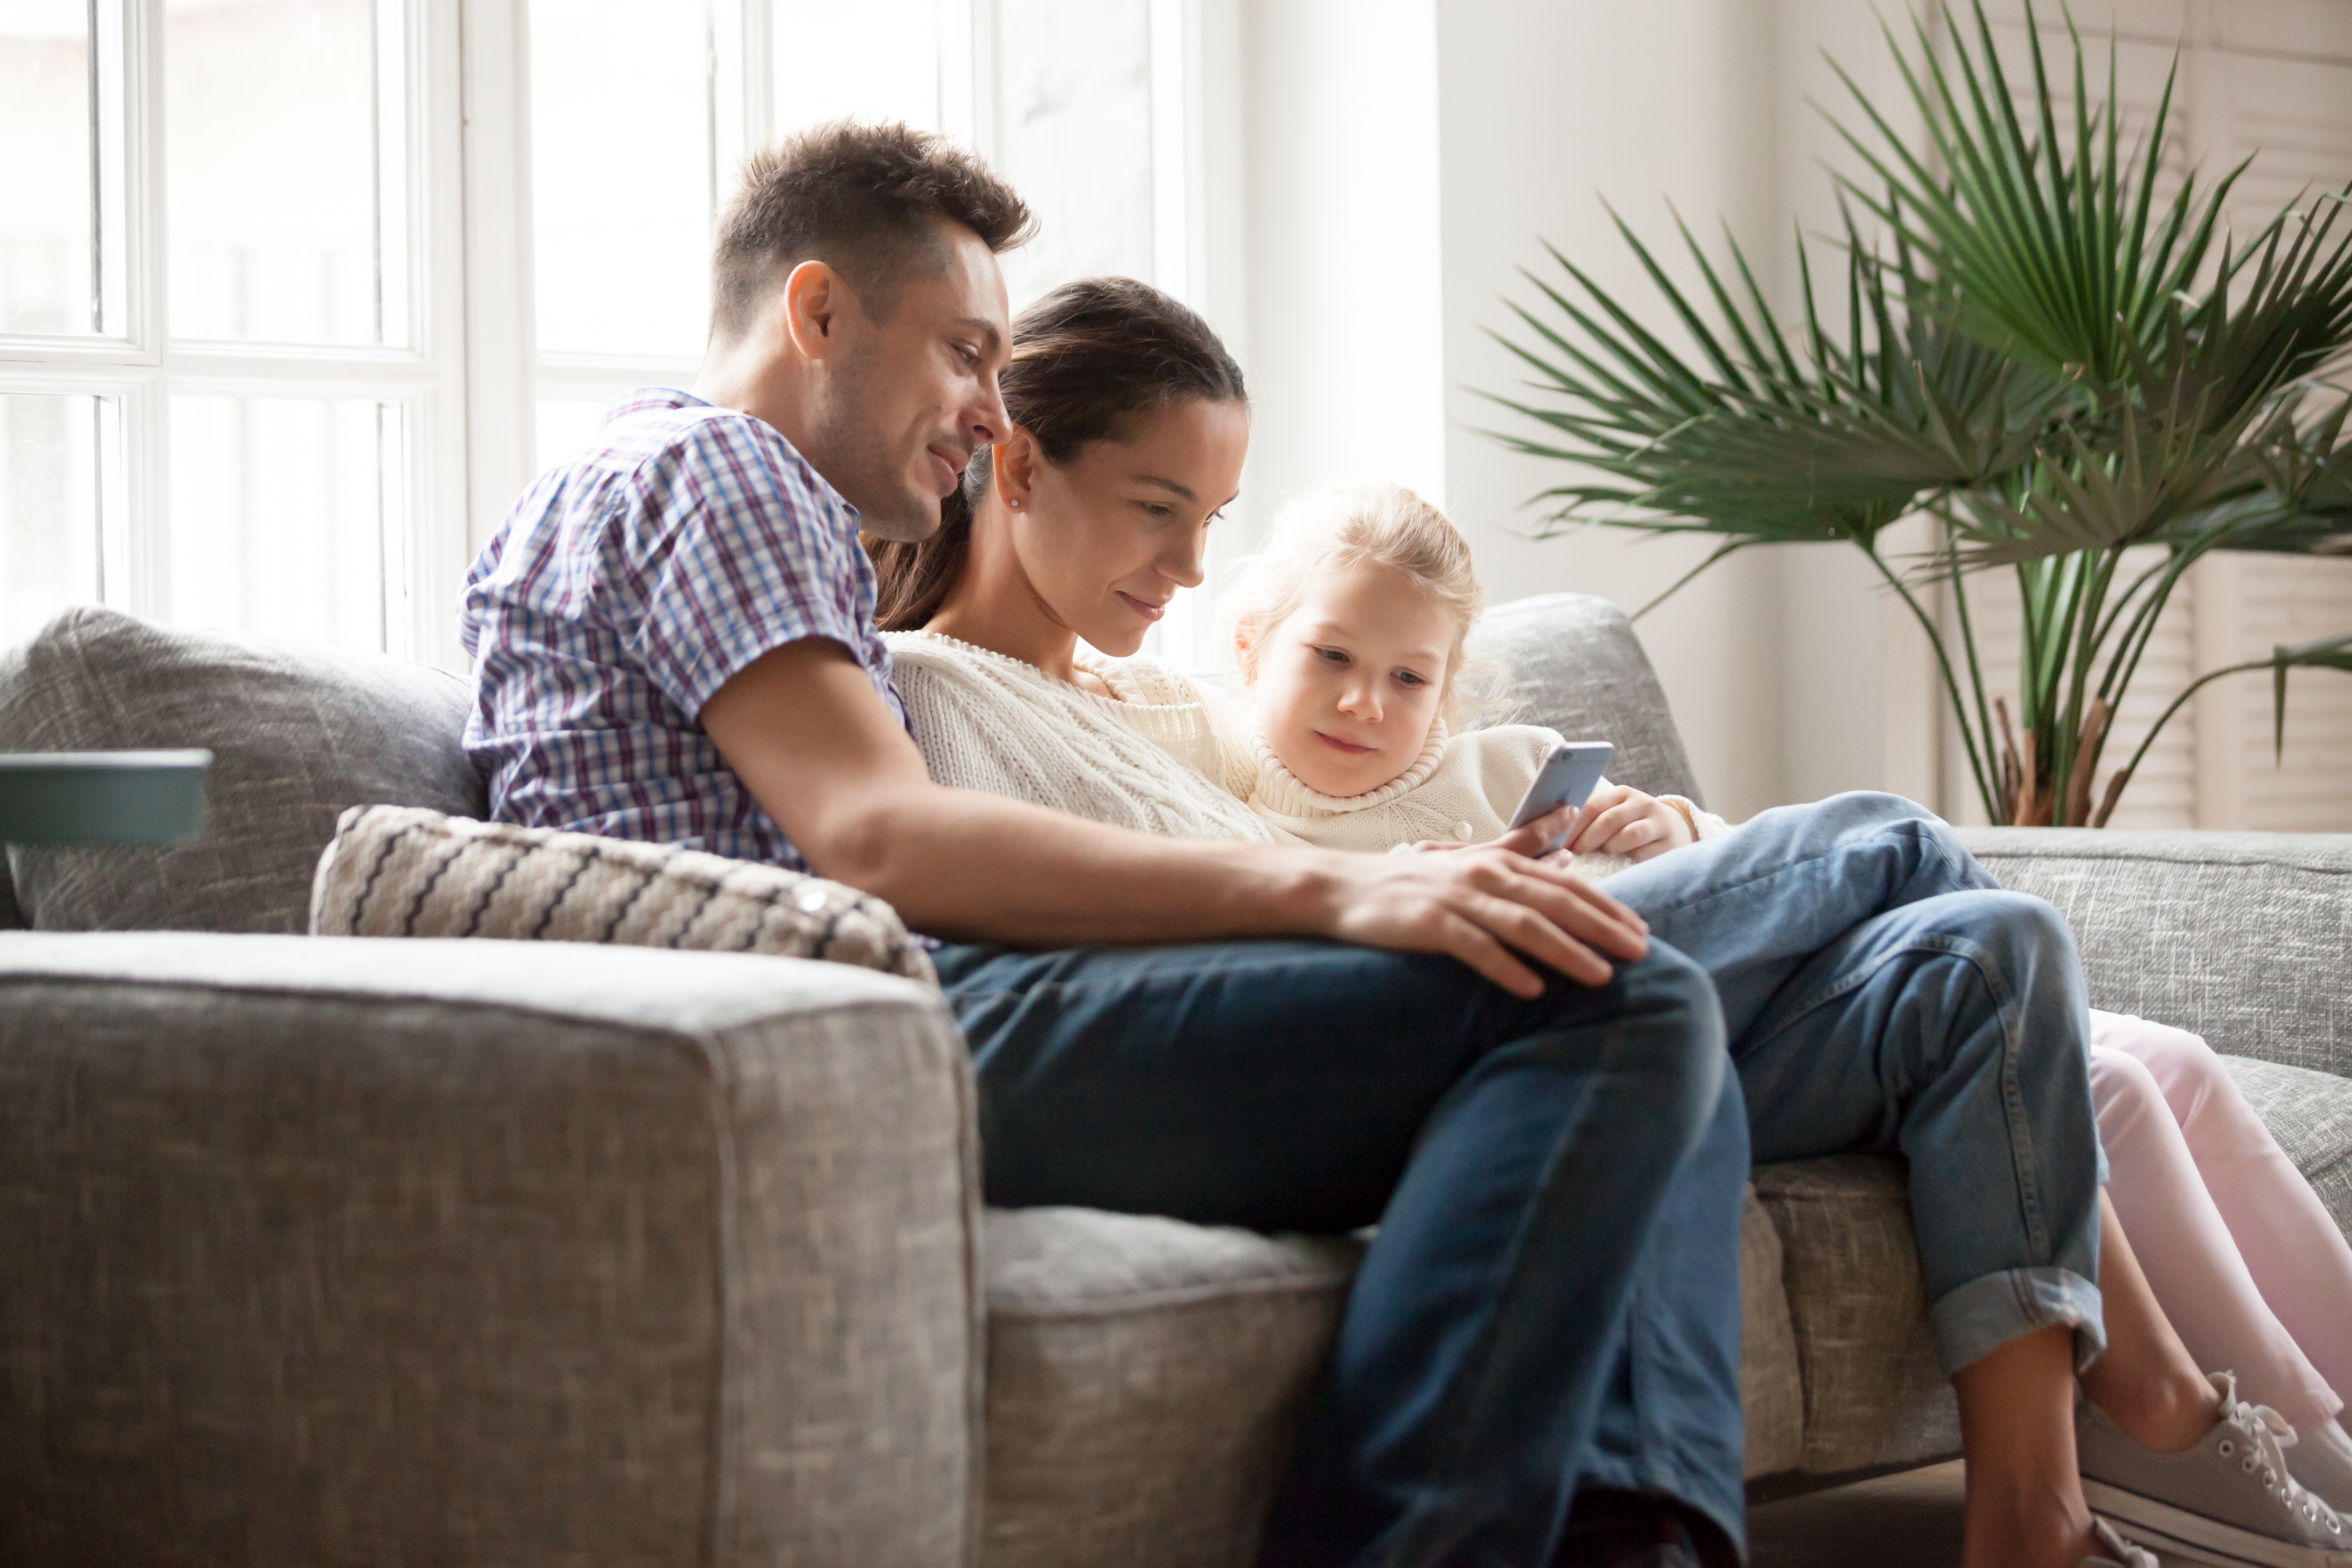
point(145, 549)
point(501, 335)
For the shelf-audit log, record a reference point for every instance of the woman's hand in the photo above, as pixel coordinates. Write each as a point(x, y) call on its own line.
point(1621, 821)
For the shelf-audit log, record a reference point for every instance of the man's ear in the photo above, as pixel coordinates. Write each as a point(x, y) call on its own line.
point(814, 298)
point(1013, 465)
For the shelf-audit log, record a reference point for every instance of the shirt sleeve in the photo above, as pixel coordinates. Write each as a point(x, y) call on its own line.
point(740, 550)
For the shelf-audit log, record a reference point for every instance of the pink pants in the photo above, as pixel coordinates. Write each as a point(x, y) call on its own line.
point(2242, 1257)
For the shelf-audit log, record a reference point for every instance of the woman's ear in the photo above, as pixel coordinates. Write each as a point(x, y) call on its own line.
point(1013, 465)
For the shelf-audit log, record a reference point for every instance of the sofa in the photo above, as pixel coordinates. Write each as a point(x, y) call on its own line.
point(364, 1250)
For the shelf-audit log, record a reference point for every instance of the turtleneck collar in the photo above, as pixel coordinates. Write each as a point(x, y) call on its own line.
point(1285, 795)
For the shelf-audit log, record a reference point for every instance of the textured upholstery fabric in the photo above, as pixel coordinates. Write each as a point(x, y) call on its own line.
point(297, 732)
point(1577, 668)
point(402, 871)
point(1772, 1382)
point(1874, 1392)
point(1145, 1380)
point(2310, 1114)
point(2245, 937)
point(350, 1251)
point(1145, 1377)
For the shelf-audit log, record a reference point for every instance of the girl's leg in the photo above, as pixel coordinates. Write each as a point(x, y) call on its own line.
point(2180, 1239)
point(2147, 1381)
point(2292, 1249)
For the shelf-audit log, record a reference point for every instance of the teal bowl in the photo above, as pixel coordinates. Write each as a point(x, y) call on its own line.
point(102, 797)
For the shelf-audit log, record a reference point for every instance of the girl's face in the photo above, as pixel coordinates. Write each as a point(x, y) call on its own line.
point(1104, 540)
point(1349, 683)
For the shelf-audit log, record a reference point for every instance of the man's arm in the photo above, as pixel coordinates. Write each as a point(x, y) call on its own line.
point(805, 730)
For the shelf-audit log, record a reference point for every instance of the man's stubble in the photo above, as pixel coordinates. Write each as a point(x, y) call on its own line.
point(860, 464)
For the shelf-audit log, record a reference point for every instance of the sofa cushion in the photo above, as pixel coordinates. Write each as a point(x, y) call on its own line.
point(1874, 1395)
point(2310, 1114)
point(1146, 1377)
point(1577, 668)
point(297, 732)
point(405, 871)
point(1145, 1380)
point(2244, 938)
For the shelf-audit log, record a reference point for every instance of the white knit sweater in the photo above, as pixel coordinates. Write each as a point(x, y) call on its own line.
point(987, 722)
point(1461, 789)
point(1168, 756)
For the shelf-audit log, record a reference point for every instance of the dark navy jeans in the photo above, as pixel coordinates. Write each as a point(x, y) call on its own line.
point(1552, 1297)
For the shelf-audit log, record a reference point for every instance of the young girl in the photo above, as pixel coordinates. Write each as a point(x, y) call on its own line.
point(1351, 630)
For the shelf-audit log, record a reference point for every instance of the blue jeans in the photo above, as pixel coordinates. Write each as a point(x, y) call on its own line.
point(1535, 1167)
point(1881, 994)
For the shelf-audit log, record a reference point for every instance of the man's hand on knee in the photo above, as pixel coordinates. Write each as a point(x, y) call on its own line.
point(1491, 908)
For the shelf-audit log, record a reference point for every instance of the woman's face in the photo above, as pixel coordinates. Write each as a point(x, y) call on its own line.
point(1106, 538)
point(1351, 681)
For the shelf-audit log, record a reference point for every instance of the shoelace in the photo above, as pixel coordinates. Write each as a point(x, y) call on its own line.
point(2269, 1436)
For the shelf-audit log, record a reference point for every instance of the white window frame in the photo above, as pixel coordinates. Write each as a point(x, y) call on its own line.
point(141, 366)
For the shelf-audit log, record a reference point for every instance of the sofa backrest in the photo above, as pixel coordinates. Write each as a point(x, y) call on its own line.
point(1577, 668)
point(297, 732)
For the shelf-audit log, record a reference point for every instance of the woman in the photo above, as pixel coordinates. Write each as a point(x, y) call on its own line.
point(1131, 422)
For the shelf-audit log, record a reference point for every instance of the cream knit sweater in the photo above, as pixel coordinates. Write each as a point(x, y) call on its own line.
point(1461, 789)
point(986, 721)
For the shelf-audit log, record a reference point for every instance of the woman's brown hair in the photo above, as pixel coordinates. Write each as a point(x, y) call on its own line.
point(1088, 360)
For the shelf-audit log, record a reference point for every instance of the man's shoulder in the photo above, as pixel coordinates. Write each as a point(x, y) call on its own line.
point(646, 435)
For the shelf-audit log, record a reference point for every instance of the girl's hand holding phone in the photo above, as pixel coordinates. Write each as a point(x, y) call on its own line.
point(1619, 820)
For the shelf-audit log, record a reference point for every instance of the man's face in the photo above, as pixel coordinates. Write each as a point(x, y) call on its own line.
point(908, 397)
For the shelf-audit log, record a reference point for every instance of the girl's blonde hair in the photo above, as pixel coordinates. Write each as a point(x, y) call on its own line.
point(1334, 528)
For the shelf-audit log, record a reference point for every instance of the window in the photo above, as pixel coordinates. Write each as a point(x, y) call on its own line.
point(285, 325)
point(228, 367)
point(1059, 94)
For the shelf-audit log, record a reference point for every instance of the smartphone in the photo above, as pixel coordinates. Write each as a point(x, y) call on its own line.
point(1568, 772)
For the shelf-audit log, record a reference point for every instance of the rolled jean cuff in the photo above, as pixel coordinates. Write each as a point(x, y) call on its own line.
point(1982, 1316)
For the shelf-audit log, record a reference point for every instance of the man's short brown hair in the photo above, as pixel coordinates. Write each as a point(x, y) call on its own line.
point(863, 199)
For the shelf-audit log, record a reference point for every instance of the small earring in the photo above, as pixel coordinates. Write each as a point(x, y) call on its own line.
point(1013, 504)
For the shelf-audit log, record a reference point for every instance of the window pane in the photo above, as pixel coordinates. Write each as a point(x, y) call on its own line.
point(272, 131)
point(1074, 134)
point(880, 61)
point(280, 515)
point(45, 239)
point(50, 492)
point(621, 174)
point(564, 426)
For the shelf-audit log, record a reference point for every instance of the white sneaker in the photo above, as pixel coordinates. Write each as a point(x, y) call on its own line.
point(2228, 1498)
point(2119, 1552)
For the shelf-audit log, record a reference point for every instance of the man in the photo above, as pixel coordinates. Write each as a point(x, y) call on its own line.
point(1477, 1052)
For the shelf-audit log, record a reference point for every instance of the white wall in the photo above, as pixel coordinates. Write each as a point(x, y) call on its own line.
point(1342, 181)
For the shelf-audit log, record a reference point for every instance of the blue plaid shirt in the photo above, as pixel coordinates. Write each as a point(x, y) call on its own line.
point(622, 590)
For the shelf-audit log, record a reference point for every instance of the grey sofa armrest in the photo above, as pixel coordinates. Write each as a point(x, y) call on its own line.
point(323, 1250)
point(2244, 937)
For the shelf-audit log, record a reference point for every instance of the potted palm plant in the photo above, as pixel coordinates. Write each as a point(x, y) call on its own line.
point(2077, 376)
